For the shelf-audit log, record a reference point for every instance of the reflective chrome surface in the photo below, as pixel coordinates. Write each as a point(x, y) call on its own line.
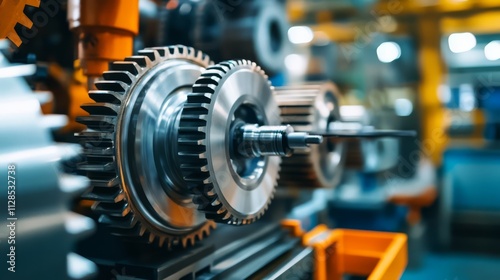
point(151, 172)
point(246, 196)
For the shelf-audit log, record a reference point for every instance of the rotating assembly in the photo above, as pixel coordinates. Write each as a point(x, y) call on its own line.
point(172, 147)
point(233, 180)
point(311, 108)
point(131, 158)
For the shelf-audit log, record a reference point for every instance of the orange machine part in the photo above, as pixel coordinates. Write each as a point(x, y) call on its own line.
point(105, 29)
point(415, 202)
point(12, 13)
point(378, 255)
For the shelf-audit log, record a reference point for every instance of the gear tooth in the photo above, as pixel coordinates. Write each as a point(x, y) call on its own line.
point(101, 108)
point(152, 54)
point(33, 3)
point(184, 242)
point(106, 96)
point(206, 86)
point(183, 50)
point(14, 37)
point(104, 195)
point(130, 66)
point(162, 51)
point(117, 86)
point(151, 238)
point(98, 167)
point(25, 21)
point(98, 123)
point(174, 50)
point(87, 134)
point(191, 51)
point(161, 241)
point(122, 76)
point(199, 55)
point(128, 222)
point(120, 209)
point(142, 230)
point(141, 60)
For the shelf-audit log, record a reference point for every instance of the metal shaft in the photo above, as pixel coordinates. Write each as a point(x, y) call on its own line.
point(252, 140)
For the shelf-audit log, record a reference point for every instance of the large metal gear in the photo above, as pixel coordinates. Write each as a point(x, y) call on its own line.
point(130, 154)
point(311, 108)
point(40, 193)
point(228, 187)
point(12, 13)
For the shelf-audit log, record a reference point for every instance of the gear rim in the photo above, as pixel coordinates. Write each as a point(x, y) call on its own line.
point(209, 195)
point(120, 210)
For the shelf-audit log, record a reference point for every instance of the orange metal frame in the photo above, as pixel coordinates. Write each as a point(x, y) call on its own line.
point(378, 255)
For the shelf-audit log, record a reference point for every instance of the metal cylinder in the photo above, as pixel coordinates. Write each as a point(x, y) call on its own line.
point(311, 108)
point(258, 141)
point(105, 31)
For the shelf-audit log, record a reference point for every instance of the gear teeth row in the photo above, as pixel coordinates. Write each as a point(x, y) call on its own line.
point(12, 13)
point(298, 105)
point(110, 199)
point(192, 143)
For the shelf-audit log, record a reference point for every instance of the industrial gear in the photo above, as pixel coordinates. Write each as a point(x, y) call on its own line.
point(12, 13)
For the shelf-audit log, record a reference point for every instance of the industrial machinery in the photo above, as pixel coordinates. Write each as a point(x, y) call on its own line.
point(196, 143)
point(176, 144)
point(470, 98)
point(34, 177)
point(255, 30)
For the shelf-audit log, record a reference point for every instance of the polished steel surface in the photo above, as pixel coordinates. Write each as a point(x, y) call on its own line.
point(231, 93)
point(150, 177)
point(131, 147)
point(252, 141)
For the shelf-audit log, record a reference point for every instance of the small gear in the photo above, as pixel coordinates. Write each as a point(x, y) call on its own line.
point(134, 189)
point(12, 13)
point(227, 188)
point(311, 108)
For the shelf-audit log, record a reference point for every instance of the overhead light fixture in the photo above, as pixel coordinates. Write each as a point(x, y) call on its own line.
point(388, 52)
point(300, 34)
point(492, 50)
point(467, 101)
point(403, 107)
point(296, 64)
point(461, 42)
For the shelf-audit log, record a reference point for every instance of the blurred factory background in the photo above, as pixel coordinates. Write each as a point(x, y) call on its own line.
point(430, 66)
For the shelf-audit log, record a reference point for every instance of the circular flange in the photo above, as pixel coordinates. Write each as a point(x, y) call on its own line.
point(228, 188)
point(311, 108)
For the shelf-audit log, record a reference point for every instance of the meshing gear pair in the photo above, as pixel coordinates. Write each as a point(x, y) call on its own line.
point(175, 144)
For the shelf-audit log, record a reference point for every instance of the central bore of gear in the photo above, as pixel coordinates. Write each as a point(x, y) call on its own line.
point(247, 168)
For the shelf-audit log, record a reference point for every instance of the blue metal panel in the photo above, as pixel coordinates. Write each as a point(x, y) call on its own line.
point(474, 174)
